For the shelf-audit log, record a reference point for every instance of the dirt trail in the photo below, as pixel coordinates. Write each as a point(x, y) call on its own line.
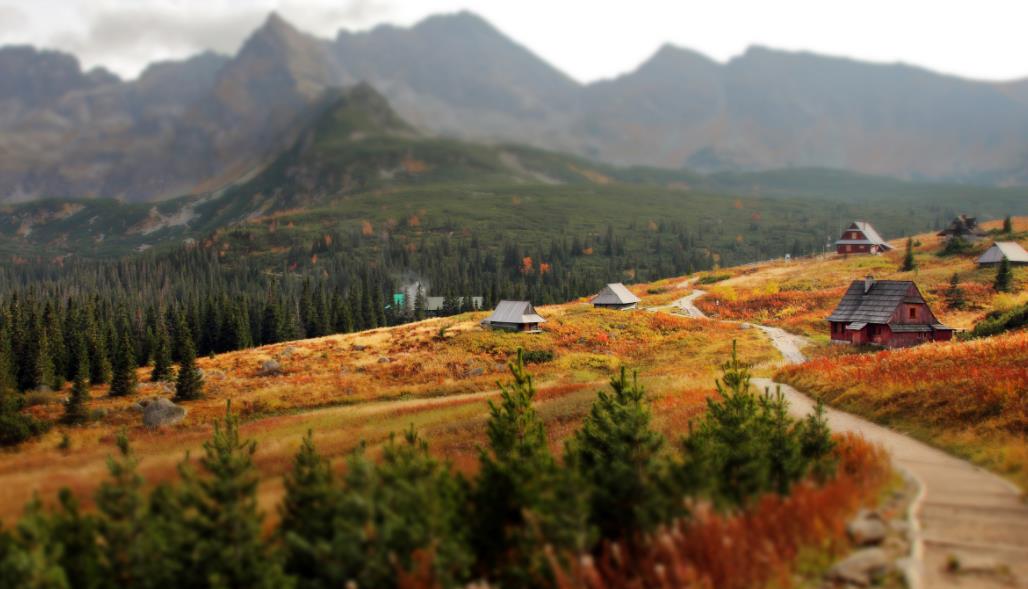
point(964, 512)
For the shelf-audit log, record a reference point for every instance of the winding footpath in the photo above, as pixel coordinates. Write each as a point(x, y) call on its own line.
point(962, 512)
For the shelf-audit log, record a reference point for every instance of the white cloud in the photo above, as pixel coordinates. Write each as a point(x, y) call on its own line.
point(589, 39)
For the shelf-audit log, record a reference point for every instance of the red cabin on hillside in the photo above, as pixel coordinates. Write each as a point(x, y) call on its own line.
point(889, 313)
point(861, 238)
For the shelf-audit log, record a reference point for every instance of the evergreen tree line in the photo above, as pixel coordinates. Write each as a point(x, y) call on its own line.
point(408, 519)
point(142, 310)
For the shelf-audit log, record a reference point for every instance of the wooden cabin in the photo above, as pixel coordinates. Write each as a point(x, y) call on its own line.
point(514, 316)
point(964, 227)
point(861, 238)
point(888, 313)
point(1011, 251)
point(616, 296)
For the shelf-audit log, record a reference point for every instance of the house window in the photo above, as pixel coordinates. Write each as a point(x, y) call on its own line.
point(912, 312)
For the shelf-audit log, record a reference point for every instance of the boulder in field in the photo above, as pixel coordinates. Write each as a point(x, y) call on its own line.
point(860, 568)
point(159, 412)
point(270, 368)
point(867, 529)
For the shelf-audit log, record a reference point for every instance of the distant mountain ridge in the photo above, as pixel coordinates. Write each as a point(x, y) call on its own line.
point(206, 123)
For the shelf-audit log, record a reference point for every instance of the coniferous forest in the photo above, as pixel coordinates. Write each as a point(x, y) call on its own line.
point(146, 309)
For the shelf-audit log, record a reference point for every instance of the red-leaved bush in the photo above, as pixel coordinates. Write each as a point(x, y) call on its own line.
point(751, 548)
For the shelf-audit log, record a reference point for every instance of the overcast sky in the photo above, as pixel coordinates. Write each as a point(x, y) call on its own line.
point(588, 39)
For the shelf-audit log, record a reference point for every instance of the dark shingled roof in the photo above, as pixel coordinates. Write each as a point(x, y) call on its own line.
point(874, 306)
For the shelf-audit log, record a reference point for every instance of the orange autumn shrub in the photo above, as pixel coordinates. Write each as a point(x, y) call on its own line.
point(799, 311)
point(970, 397)
point(703, 551)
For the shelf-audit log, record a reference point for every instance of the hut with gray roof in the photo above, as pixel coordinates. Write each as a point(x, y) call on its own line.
point(889, 313)
point(1009, 250)
point(861, 238)
point(514, 316)
point(615, 296)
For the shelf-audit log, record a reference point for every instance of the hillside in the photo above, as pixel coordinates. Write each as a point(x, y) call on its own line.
point(194, 126)
point(964, 396)
point(355, 163)
point(798, 296)
point(436, 374)
point(368, 488)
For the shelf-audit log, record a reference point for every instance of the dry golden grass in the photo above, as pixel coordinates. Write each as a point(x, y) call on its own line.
point(362, 386)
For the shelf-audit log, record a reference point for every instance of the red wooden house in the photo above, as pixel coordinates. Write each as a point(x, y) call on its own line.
point(861, 238)
point(889, 313)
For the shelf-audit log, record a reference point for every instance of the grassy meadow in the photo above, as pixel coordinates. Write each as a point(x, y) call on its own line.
point(435, 375)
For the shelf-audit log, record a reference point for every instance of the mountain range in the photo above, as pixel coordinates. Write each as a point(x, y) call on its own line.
point(357, 170)
point(210, 122)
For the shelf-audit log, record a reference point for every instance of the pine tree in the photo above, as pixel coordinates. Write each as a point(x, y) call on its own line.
point(77, 534)
point(726, 456)
point(33, 558)
point(342, 316)
point(38, 364)
point(954, 294)
point(380, 308)
point(523, 500)
point(816, 444)
point(308, 512)
point(162, 369)
point(15, 426)
point(369, 315)
point(121, 506)
point(954, 246)
point(1008, 224)
point(99, 360)
point(908, 258)
point(221, 508)
point(166, 546)
point(182, 336)
point(189, 383)
point(419, 304)
point(1004, 277)
point(388, 513)
point(8, 377)
point(123, 379)
point(56, 345)
point(618, 454)
point(355, 301)
point(76, 409)
point(784, 457)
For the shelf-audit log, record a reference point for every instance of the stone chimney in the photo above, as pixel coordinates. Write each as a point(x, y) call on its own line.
point(869, 281)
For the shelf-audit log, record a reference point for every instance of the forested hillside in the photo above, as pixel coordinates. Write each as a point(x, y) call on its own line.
point(362, 207)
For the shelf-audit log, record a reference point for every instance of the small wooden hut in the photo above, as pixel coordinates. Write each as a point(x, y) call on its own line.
point(514, 316)
point(616, 296)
